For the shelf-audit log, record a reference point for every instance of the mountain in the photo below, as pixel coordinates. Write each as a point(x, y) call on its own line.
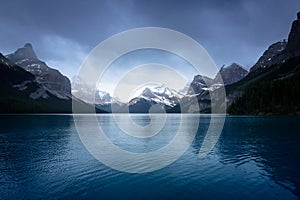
point(271, 86)
point(12, 74)
point(273, 89)
point(230, 74)
point(25, 91)
point(225, 76)
point(174, 102)
point(21, 92)
point(293, 45)
point(162, 96)
point(199, 84)
point(82, 90)
point(282, 51)
point(276, 90)
point(52, 80)
point(270, 56)
point(101, 99)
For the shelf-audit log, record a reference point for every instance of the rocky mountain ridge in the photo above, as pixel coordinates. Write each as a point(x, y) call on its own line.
point(35, 87)
point(52, 80)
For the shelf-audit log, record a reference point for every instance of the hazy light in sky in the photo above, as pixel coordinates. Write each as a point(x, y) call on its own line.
point(136, 58)
point(160, 44)
point(147, 75)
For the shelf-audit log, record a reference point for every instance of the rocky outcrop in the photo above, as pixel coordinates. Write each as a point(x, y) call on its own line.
point(281, 51)
point(11, 74)
point(270, 56)
point(293, 45)
point(199, 84)
point(230, 74)
point(48, 77)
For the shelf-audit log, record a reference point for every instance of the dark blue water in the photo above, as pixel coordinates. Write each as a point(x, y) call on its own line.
point(42, 157)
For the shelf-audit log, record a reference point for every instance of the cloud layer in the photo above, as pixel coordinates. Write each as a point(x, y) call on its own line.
point(63, 32)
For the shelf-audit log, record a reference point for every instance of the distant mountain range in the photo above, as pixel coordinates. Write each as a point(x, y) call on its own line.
point(29, 85)
point(161, 96)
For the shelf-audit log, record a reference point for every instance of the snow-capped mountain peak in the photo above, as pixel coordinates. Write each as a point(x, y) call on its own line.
point(159, 95)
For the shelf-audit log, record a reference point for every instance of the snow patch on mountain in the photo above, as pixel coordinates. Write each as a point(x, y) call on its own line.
point(159, 95)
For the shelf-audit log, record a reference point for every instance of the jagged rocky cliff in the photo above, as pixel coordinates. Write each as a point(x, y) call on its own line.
point(282, 51)
point(50, 78)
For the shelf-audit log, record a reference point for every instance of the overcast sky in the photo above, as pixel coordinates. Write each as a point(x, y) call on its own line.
point(64, 32)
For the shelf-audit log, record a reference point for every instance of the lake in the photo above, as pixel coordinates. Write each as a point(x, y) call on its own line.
point(43, 157)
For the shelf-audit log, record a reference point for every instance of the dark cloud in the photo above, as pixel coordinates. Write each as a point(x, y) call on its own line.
point(231, 30)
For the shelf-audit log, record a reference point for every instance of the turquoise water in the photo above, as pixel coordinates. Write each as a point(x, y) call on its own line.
point(42, 157)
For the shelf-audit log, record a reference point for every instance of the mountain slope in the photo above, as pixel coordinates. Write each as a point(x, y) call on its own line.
point(20, 92)
point(12, 74)
point(273, 82)
point(199, 84)
point(270, 56)
point(230, 74)
point(88, 93)
point(273, 89)
point(163, 97)
point(293, 45)
point(17, 89)
point(52, 80)
point(281, 51)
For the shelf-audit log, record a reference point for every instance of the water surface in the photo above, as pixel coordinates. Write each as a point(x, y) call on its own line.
point(42, 157)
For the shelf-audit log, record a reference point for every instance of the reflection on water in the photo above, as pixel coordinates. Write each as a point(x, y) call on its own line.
point(158, 136)
point(270, 143)
point(41, 156)
point(147, 153)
